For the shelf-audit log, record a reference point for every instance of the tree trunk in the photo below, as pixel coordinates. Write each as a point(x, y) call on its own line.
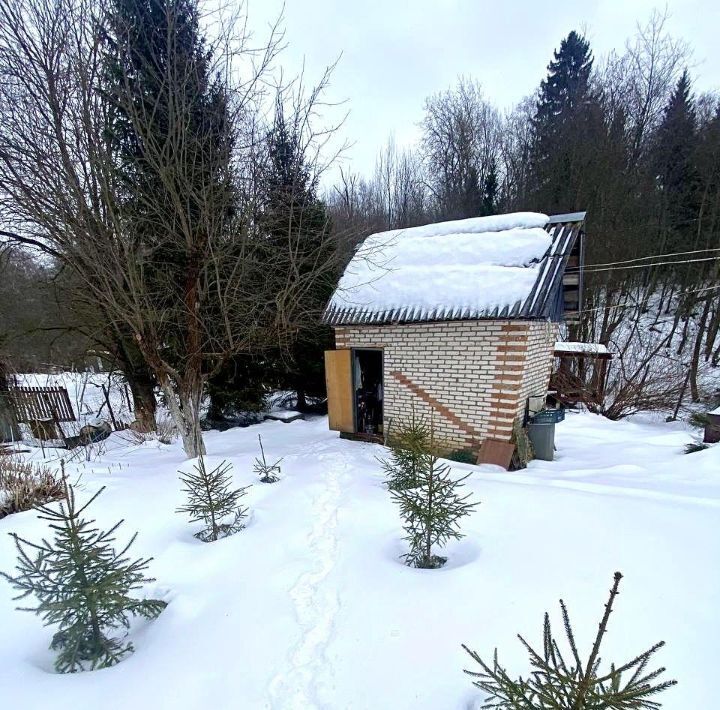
point(184, 406)
point(8, 425)
point(9, 430)
point(139, 377)
point(142, 387)
point(695, 362)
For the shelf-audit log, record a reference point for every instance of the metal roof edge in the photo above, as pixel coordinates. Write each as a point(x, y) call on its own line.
point(567, 217)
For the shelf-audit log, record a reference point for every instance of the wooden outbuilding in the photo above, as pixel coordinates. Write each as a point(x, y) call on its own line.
point(461, 317)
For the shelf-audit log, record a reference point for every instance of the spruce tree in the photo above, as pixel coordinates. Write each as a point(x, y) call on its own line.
point(408, 454)
point(558, 682)
point(170, 128)
point(566, 119)
point(83, 585)
point(431, 511)
point(675, 153)
point(268, 472)
point(212, 501)
point(490, 190)
point(471, 198)
point(291, 213)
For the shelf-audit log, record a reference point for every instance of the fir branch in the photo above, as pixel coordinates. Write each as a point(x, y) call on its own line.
point(553, 685)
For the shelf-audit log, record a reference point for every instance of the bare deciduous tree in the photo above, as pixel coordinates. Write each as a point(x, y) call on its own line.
point(138, 173)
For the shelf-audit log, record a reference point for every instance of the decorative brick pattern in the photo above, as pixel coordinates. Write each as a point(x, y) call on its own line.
point(476, 374)
point(438, 406)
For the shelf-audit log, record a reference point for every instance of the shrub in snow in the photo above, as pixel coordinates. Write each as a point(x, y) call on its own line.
point(82, 585)
point(212, 501)
point(695, 446)
point(268, 472)
point(558, 683)
point(24, 484)
point(431, 511)
point(409, 451)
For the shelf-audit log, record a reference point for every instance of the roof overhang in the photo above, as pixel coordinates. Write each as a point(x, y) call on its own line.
point(538, 305)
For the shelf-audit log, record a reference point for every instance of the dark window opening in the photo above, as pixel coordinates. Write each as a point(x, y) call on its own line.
point(368, 387)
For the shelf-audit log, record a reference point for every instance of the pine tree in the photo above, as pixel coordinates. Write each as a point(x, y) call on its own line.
point(212, 501)
point(83, 586)
point(431, 511)
point(408, 454)
point(471, 198)
point(678, 180)
point(572, 684)
point(490, 190)
point(268, 472)
point(565, 120)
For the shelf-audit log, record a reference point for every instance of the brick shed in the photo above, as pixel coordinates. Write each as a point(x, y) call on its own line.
point(459, 316)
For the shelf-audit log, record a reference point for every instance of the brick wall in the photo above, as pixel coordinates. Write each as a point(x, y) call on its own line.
point(476, 374)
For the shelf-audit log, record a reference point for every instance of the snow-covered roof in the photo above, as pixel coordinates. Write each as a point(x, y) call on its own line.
point(715, 411)
point(483, 267)
point(581, 348)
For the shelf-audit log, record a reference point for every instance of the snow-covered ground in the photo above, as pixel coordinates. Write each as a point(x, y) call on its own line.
point(309, 607)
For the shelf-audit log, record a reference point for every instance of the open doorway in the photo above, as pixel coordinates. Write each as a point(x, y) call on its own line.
point(368, 388)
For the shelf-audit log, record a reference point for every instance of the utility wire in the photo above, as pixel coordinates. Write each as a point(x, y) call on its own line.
point(590, 270)
point(637, 305)
point(654, 256)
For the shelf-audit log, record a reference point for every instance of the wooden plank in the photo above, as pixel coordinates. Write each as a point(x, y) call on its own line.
point(496, 452)
point(338, 378)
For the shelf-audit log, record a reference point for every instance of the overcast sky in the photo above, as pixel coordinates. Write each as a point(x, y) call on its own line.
point(394, 53)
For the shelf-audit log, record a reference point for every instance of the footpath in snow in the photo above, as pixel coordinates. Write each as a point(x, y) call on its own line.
point(310, 607)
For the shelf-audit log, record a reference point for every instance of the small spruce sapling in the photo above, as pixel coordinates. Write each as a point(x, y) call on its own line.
point(408, 454)
point(431, 511)
point(557, 683)
point(82, 585)
point(268, 472)
point(212, 501)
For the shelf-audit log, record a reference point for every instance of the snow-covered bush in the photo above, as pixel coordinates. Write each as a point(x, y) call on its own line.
point(212, 501)
point(82, 585)
point(24, 484)
point(559, 683)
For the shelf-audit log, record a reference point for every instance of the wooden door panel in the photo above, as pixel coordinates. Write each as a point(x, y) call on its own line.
point(338, 378)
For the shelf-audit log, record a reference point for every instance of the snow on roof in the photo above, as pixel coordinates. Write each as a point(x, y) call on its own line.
point(469, 266)
point(716, 411)
point(584, 348)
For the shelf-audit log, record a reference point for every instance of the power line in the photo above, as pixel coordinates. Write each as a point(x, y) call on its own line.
point(655, 256)
point(642, 266)
point(636, 305)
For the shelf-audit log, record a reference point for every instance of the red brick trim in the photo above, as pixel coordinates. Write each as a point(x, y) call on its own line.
point(438, 406)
